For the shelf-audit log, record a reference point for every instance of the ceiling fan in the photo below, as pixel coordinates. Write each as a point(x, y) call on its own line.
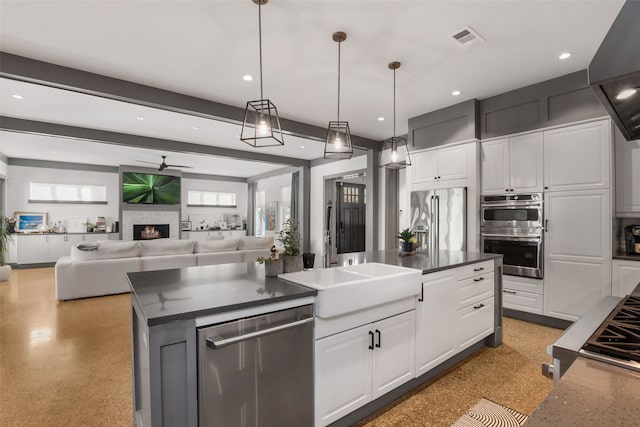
point(164, 164)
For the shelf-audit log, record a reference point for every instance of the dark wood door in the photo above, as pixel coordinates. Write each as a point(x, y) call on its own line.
point(350, 222)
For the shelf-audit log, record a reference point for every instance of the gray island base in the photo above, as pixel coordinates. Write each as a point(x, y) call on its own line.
point(457, 312)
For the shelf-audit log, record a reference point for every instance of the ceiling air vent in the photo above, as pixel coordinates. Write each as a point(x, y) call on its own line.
point(467, 37)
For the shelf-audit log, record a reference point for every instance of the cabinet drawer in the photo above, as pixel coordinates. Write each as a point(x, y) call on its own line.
point(475, 322)
point(522, 301)
point(474, 269)
point(475, 289)
point(525, 284)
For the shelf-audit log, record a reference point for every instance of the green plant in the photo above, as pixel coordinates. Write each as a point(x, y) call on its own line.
point(407, 236)
point(5, 237)
point(272, 257)
point(290, 237)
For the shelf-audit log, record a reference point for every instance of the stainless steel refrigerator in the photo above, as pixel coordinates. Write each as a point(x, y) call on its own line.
point(439, 218)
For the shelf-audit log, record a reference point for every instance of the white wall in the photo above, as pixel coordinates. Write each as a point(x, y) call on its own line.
point(240, 188)
point(17, 188)
point(317, 211)
point(3, 168)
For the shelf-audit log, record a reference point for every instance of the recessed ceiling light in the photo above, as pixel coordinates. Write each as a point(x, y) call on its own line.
point(564, 55)
point(302, 146)
point(195, 128)
point(456, 93)
point(139, 118)
point(381, 119)
point(625, 93)
point(16, 96)
point(247, 78)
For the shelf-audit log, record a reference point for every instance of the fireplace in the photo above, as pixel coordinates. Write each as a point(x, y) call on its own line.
point(150, 231)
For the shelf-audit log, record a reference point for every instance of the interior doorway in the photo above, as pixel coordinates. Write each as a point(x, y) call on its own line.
point(2, 207)
point(350, 217)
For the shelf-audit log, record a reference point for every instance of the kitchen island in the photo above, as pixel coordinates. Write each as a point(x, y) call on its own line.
point(456, 310)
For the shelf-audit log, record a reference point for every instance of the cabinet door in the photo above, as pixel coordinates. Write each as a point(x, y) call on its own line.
point(94, 237)
point(394, 356)
point(577, 157)
point(577, 252)
point(525, 157)
point(475, 322)
point(495, 166)
point(342, 374)
point(625, 277)
point(70, 240)
point(32, 249)
point(435, 320)
point(627, 174)
point(55, 247)
point(425, 166)
point(452, 163)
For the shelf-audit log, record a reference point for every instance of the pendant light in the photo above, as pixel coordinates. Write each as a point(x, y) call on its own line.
point(338, 144)
point(395, 151)
point(261, 125)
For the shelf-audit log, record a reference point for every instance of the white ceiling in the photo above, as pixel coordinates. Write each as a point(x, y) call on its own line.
point(203, 48)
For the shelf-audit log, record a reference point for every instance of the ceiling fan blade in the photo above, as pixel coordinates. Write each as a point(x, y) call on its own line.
point(179, 166)
point(144, 161)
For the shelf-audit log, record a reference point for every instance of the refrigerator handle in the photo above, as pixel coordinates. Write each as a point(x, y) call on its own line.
point(437, 238)
point(433, 220)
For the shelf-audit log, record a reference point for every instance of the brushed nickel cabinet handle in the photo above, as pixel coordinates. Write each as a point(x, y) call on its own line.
point(478, 279)
point(475, 307)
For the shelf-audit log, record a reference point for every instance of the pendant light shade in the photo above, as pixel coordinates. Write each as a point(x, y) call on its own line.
point(261, 124)
point(395, 151)
point(338, 144)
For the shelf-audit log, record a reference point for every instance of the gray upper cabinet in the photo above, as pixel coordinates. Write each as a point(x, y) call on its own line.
point(627, 176)
point(452, 124)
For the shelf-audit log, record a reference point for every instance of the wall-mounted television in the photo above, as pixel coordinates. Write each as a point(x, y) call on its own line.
point(152, 189)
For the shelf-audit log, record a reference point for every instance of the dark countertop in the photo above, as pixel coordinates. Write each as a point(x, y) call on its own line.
point(625, 256)
point(591, 393)
point(188, 293)
point(427, 262)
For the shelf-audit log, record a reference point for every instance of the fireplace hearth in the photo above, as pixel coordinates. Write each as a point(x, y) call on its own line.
point(150, 231)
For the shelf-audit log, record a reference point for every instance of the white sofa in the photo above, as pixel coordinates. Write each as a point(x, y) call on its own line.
point(102, 271)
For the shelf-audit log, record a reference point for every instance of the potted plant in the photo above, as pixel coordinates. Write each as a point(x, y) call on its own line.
point(5, 238)
point(272, 265)
point(290, 238)
point(408, 239)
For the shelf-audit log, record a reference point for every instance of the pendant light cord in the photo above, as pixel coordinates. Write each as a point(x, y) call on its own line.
point(260, 42)
point(394, 103)
point(339, 43)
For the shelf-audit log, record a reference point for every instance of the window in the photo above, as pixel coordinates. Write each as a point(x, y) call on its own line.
point(211, 199)
point(67, 193)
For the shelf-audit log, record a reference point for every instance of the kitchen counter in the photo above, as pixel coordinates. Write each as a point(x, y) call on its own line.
point(187, 293)
point(591, 393)
point(427, 262)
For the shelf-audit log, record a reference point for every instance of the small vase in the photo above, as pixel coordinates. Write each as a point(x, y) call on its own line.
point(5, 272)
point(407, 247)
point(273, 267)
point(292, 263)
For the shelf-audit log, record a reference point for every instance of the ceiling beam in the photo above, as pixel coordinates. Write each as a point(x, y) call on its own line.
point(12, 124)
point(44, 73)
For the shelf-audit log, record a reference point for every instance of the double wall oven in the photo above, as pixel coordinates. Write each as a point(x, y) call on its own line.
point(513, 226)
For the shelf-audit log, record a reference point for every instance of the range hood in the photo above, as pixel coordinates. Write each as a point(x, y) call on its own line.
point(614, 72)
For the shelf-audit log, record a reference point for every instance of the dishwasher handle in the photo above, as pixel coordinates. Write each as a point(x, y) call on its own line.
point(218, 342)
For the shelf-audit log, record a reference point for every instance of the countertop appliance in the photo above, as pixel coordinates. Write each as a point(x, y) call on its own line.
point(439, 219)
point(632, 239)
point(512, 225)
point(257, 371)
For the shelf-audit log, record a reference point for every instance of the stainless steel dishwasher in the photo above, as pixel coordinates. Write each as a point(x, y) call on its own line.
point(257, 371)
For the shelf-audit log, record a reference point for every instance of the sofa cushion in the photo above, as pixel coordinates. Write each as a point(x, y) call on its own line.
point(214, 238)
point(106, 250)
point(166, 247)
point(250, 242)
point(217, 245)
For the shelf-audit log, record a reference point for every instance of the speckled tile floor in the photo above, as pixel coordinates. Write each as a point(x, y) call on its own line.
point(69, 364)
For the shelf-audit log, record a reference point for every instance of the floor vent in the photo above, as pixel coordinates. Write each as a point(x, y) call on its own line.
point(467, 37)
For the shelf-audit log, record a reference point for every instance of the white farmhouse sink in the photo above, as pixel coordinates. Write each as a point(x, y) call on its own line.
point(343, 290)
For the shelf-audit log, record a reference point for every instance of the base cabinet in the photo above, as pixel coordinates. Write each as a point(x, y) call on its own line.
point(523, 294)
point(39, 248)
point(625, 276)
point(356, 366)
point(475, 322)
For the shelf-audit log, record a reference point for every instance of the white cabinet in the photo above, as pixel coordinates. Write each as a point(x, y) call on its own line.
point(202, 235)
point(435, 320)
point(361, 364)
point(577, 251)
point(70, 240)
point(578, 157)
point(475, 291)
point(42, 248)
point(625, 276)
point(523, 294)
point(439, 166)
point(513, 165)
point(627, 175)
